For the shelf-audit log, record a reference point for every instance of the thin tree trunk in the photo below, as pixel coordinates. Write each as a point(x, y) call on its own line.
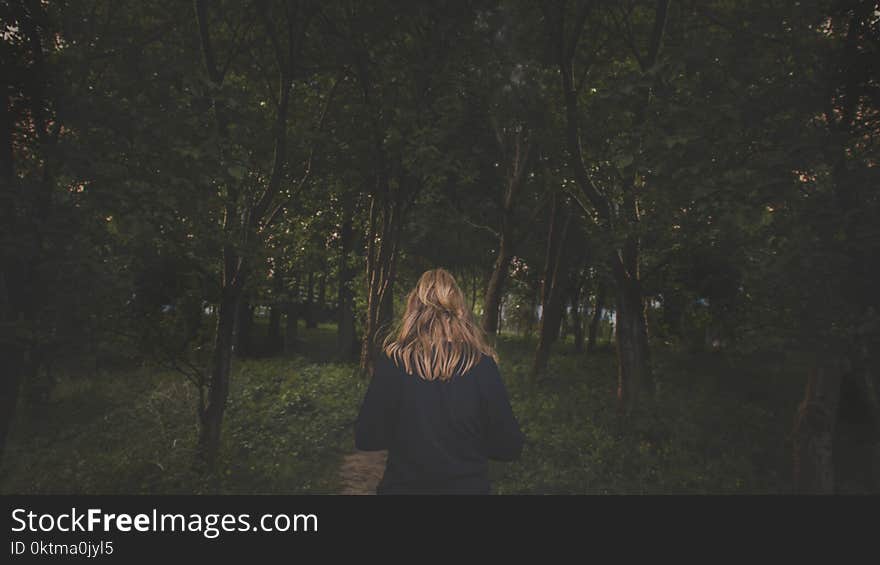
point(814, 431)
point(12, 277)
point(386, 305)
point(387, 208)
point(634, 367)
point(517, 154)
point(560, 330)
point(495, 289)
point(595, 318)
point(500, 313)
point(867, 385)
point(322, 295)
point(385, 226)
point(241, 221)
point(218, 387)
point(346, 339)
point(368, 342)
point(577, 322)
point(634, 372)
point(533, 310)
point(551, 299)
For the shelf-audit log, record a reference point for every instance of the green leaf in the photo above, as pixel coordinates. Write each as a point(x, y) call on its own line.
point(623, 161)
point(237, 171)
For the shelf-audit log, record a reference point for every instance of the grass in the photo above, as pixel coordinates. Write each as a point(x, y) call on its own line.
point(287, 423)
point(720, 426)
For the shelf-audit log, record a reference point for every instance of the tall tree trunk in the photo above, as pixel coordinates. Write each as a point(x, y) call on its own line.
point(386, 305)
point(368, 345)
point(635, 375)
point(245, 215)
point(814, 431)
point(517, 152)
point(23, 215)
point(532, 314)
point(867, 384)
point(346, 338)
point(321, 302)
point(385, 224)
point(211, 414)
point(495, 288)
point(12, 276)
point(388, 207)
point(560, 330)
point(634, 362)
point(598, 307)
point(843, 120)
point(551, 299)
point(577, 321)
point(500, 313)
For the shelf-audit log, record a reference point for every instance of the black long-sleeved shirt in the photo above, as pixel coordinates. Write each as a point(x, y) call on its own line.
point(439, 434)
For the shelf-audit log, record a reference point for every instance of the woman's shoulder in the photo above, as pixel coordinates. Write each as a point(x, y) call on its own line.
point(383, 364)
point(486, 363)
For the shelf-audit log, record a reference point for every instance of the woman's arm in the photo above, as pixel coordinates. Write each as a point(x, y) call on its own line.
point(374, 428)
point(504, 437)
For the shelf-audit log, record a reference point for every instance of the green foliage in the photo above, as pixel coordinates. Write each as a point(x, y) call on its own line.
point(748, 154)
point(287, 424)
point(718, 428)
point(714, 429)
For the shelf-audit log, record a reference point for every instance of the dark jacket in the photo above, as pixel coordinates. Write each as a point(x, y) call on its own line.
point(439, 434)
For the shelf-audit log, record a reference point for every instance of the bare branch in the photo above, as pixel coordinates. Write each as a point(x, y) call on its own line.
point(307, 169)
point(660, 16)
point(207, 48)
point(580, 19)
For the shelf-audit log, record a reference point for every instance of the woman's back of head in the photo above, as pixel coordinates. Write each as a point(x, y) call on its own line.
point(437, 336)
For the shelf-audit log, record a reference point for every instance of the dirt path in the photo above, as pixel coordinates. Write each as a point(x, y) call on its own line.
point(361, 471)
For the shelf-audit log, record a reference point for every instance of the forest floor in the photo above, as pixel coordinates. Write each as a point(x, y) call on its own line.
point(721, 424)
point(361, 471)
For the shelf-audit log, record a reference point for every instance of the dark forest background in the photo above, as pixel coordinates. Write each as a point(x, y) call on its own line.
point(664, 213)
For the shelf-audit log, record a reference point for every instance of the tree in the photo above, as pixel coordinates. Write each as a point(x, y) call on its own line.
point(617, 214)
point(252, 200)
point(553, 281)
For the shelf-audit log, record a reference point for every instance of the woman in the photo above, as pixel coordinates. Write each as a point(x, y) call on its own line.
point(436, 401)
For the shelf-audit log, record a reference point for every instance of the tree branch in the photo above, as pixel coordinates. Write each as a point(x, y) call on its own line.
point(307, 170)
point(660, 17)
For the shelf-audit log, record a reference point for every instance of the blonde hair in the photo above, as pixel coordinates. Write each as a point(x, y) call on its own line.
point(437, 332)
